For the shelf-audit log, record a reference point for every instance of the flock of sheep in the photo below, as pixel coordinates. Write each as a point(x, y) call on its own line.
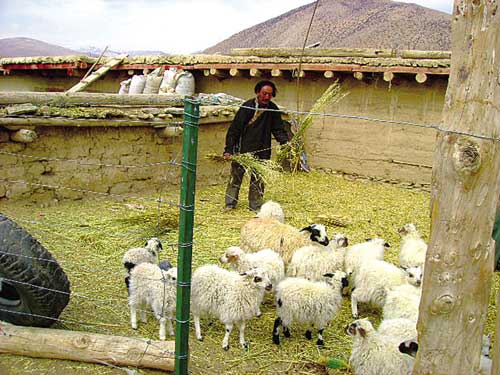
point(308, 274)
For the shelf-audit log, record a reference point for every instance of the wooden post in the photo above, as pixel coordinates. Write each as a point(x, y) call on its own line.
point(97, 74)
point(254, 72)
point(358, 75)
point(217, 73)
point(328, 74)
point(234, 72)
point(86, 347)
point(24, 136)
point(276, 73)
point(465, 191)
point(421, 77)
point(388, 76)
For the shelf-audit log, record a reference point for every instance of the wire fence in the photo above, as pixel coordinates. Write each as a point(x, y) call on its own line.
point(107, 312)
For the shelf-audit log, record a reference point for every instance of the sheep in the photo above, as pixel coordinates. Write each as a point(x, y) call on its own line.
point(410, 347)
point(312, 262)
point(231, 297)
point(155, 288)
point(138, 255)
point(271, 210)
point(374, 354)
point(398, 330)
point(372, 280)
point(266, 259)
point(413, 249)
point(402, 301)
point(304, 301)
point(267, 233)
point(372, 249)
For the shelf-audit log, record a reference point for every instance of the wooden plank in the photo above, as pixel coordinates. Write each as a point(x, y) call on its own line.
point(320, 52)
point(75, 65)
point(85, 82)
point(87, 347)
point(86, 98)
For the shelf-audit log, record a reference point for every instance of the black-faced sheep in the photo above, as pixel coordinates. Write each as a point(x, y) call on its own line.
point(138, 255)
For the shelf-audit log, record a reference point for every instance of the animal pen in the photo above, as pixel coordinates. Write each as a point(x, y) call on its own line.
point(464, 196)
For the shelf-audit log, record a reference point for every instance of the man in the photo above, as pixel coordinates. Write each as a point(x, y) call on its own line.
point(251, 132)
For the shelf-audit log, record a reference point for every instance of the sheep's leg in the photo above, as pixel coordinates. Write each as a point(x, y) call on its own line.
point(320, 342)
point(170, 326)
point(308, 334)
point(276, 331)
point(354, 304)
point(133, 316)
point(286, 331)
point(243, 343)
point(144, 317)
point(197, 328)
point(225, 341)
point(163, 334)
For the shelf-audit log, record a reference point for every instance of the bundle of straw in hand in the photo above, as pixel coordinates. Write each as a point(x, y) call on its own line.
point(267, 170)
point(292, 151)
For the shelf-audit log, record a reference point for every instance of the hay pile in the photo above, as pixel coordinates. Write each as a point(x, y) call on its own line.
point(89, 238)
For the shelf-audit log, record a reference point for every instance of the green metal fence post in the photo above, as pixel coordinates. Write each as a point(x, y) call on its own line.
point(186, 221)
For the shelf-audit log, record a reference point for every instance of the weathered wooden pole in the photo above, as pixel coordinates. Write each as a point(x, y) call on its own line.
point(465, 191)
point(86, 347)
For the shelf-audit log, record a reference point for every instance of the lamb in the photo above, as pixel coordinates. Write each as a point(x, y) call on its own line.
point(267, 233)
point(271, 210)
point(402, 301)
point(304, 301)
point(372, 249)
point(231, 297)
point(155, 288)
point(312, 262)
point(138, 255)
point(413, 249)
point(398, 330)
point(268, 260)
point(372, 280)
point(374, 354)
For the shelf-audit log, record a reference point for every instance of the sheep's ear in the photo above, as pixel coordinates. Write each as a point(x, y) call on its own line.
point(403, 268)
point(329, 274)
point(387, 244)
point(368, 239)
point(344, 242)
point(160, 245)
point(308, 229)
point(146, 243)
point(243, 274)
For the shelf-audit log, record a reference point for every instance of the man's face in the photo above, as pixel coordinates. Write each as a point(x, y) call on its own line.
point(265, 95)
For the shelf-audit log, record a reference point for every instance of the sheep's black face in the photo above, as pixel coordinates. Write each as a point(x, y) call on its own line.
point(355, 329)
point(409, 347)
point(318, 234)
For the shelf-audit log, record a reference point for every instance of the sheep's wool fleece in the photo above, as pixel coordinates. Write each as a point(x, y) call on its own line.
point(267, 260)
point(262, 233)
point(314, 261)
point(305, 301)
point(224, 294)
point(375, 356)
point(147, 286)
point(402, 302)
point(358, 253)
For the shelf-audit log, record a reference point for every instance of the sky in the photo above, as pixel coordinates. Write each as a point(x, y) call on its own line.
point(171, 26)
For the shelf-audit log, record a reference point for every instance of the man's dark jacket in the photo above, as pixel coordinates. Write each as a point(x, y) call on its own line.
point(242, 137)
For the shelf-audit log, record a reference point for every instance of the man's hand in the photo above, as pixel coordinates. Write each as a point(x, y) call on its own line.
point(226, 156)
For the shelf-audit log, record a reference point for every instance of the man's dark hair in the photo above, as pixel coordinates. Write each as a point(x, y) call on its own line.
point(261, 84)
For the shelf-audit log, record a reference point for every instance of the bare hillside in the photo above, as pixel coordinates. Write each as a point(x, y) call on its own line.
point(24, 47)
point(352, 24)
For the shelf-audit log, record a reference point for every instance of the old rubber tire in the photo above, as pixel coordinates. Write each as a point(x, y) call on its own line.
point(33, 287)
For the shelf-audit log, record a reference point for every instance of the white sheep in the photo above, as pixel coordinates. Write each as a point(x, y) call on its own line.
point(138, 255)
point(398, 330)
point(266, 259)
point(153, 287)
point(413, 248)
point(374, 354)
point(273, 210)
point(303, 301)
point(231, 297)
point(372, 249)
point(267, 233)
point(402, 301)
point(372, 280)
point(313, 261)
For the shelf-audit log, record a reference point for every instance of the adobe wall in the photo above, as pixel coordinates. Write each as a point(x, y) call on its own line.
point(355, 146)
point(89, 161)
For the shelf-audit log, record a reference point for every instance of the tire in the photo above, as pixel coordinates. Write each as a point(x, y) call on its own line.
point(34, 289)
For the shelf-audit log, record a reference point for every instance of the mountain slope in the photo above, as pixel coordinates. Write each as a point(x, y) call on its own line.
point(24, 47)
point(351, 24)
